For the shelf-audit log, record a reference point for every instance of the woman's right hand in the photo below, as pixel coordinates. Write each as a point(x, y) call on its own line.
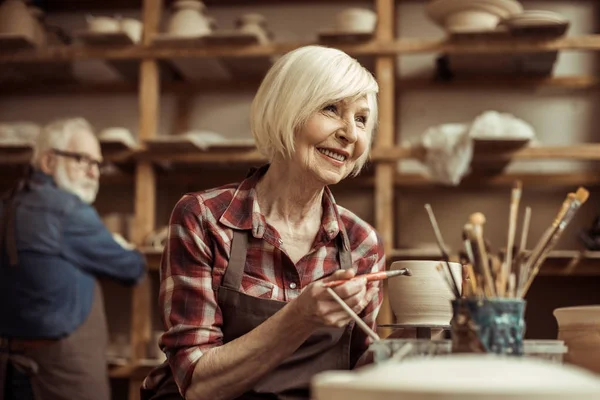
point(317, 307)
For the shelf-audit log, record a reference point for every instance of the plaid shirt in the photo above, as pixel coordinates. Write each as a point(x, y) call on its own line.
point(197, 254)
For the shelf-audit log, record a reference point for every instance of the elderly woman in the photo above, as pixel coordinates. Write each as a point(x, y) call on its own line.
point(242, 293)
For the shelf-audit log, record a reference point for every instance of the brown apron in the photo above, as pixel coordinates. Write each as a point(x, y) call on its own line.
point(71, 368)
point(326, 349)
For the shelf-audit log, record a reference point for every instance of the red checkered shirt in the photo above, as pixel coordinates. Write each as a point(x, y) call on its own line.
point(197, 253)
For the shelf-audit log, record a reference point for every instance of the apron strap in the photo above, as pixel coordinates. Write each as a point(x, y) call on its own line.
point(344, 254)
point(237, 261)
point(239, 247)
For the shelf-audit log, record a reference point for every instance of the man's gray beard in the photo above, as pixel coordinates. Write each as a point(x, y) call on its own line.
point(87, 194)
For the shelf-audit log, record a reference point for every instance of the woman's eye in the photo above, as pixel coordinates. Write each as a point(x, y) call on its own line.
point(361, 120)
point(331, 108)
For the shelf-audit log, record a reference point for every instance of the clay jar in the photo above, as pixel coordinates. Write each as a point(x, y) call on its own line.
point(255, 24)
point(423, 299)
point(16, 19)
point(188, 19)
point(358, 20)
point(579, 327)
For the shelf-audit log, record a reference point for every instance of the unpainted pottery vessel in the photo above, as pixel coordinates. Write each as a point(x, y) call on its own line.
point(16, 19)
point(188, 19)
point(579, 327)
point(255, 24)
point(424, 298)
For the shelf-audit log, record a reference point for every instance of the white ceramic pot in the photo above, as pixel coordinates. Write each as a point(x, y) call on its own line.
point(579, 328)
point(16, 19)
point(360, 20)
point(133, 28)
point(423, 298)
point(103, 24)
point(471, 20)
point(188, 19)
point(255, 24)
point(39, 35)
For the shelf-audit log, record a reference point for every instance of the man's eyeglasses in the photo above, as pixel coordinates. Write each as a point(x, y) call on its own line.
point(83, 160)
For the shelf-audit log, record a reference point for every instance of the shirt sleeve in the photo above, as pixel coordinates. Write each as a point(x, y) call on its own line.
point(90, 246)
point(187, 299)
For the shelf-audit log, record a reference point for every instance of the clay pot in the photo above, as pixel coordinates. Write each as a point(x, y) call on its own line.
point(424, 298)
point(16, 19)
point(579, 327)
point(188, 19)
point(255, 24)
point(359, 20)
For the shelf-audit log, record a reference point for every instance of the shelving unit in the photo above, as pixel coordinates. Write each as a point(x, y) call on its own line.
point(149, 60)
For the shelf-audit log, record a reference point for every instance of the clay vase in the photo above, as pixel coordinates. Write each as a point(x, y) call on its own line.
point(423, 299)
point(356, 20)
point(39, 32)
point(188, 19)
point(16, 19)
point(255, 24)
point(579, 327)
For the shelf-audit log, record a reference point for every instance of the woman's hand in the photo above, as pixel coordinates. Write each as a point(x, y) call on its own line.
point(317, 306)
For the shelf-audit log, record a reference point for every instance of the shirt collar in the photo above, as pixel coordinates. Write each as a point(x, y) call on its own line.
point(40, 177)
point(243, 211)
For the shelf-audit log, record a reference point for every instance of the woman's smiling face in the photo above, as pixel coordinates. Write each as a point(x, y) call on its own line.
point(333, 139)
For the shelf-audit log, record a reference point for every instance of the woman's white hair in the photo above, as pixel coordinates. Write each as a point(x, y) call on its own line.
point(301, 83)
point(56, 135)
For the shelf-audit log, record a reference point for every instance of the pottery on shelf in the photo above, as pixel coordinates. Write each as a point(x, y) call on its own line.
point(16, 19)
point(188, 19)
point(103, 24)
point(255, 24)
point(356, 20)
point(132, 28)
point(424, 298)
point(579, 328)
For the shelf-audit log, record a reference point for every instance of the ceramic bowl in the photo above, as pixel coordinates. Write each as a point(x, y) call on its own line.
point(579, 327)
point(471, 20)
point(356, 20)
point(422, 299)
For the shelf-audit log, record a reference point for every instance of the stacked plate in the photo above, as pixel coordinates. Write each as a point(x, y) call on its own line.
point(535, 17)
point(536, 21)
point(471, 15)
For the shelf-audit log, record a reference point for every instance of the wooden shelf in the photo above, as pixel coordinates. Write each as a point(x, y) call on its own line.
point(371, 48)
point(589, 152)
point(582, 82)
point(558, 263)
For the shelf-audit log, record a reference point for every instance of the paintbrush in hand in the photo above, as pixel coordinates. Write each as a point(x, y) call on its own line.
point(375, 276)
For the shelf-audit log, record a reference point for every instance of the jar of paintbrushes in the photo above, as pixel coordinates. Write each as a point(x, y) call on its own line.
point(489, 312)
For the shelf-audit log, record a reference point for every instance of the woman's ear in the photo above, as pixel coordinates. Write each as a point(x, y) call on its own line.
point(48, 163)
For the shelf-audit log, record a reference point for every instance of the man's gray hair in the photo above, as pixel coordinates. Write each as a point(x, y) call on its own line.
point(56, 135)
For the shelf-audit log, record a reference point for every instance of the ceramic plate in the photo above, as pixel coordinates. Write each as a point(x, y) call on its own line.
point(438, 10)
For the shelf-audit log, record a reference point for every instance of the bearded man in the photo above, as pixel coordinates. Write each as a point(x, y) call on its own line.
point(53, 246)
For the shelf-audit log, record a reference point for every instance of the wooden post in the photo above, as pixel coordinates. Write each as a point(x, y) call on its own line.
point(385, 71)
point(145, 191)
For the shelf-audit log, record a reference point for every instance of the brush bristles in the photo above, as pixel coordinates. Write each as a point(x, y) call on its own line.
point(477, 218)
point(582, 195)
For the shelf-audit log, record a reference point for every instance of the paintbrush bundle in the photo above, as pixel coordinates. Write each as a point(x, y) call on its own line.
point(488, 275)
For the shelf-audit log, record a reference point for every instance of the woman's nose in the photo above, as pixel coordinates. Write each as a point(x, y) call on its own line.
point(347, 132)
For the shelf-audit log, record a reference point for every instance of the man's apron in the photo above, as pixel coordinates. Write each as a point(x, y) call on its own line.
point(71, 368)
point(326, 349)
